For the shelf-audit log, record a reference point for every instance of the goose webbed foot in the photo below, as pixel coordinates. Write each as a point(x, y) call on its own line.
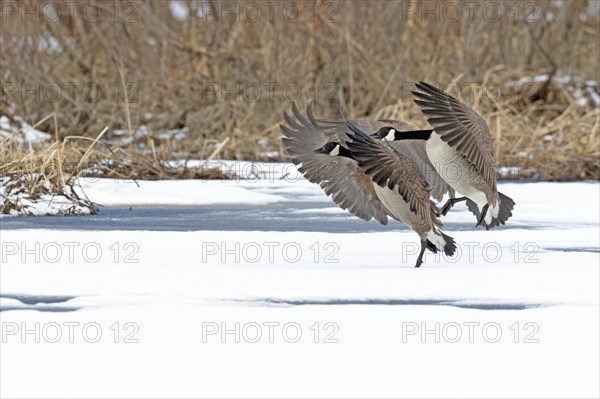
point(482, 217)
point(450, 203)
point(420, 258)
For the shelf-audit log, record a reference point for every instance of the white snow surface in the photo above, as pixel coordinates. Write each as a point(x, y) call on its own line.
point(252, 183)
point(48, 205)
point(173, 192)
point(522, 306)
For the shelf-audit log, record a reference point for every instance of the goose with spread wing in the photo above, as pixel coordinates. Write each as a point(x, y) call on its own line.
point(365, 175)
point(460, 149)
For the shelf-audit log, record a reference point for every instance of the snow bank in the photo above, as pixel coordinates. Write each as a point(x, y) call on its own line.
point(48, 200)
point(48, 205)
point(173, 192)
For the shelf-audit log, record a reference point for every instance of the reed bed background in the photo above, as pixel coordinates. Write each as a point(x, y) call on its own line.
point(223, 74)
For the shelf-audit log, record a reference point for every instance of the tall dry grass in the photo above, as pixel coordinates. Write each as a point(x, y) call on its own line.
point(32, 172)
point(158, 71)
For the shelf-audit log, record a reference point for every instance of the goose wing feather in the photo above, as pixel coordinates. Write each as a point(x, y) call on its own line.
point(339, 177)
point(460, 127)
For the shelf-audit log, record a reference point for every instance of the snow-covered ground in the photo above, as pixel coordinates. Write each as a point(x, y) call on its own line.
point(304, 313)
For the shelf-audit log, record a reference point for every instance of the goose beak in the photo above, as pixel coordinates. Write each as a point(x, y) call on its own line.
point(320, 151)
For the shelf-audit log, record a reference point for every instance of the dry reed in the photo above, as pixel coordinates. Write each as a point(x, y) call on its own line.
point(230, 76)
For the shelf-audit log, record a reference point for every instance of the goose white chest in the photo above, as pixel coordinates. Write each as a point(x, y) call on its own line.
point(454, 169)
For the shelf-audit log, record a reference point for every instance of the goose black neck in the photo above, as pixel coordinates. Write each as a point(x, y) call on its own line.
point(344, 152)
point(413, 135)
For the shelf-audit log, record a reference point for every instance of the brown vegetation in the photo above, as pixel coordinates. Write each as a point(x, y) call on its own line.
point(230, 69)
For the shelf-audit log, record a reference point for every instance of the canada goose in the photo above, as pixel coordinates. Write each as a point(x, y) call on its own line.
point(413, 149)
point(366, 176)
point(460, 149)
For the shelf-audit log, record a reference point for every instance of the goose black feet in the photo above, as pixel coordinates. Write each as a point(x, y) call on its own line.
point(450, 203)
point(482, 217)
point(420, 258)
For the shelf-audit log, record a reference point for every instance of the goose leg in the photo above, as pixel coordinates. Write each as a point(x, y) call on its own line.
point(450, 203)
point(420, 258)
point(483, 212)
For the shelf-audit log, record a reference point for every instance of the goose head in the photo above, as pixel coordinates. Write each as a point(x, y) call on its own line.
point(386, 133)
point(332, 149)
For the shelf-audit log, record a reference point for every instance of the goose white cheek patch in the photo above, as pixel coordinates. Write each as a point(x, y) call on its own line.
point(335, 151)
point(391, 135)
